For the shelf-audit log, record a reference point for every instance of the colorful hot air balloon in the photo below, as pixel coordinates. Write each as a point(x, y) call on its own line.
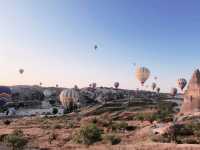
point(69, 98)
point(173, 91)
point(142, 74)
point(5, 95)
point(153, 86)
point(158, 90)
point(181, 83)
point(21, 71)
point(116, 85)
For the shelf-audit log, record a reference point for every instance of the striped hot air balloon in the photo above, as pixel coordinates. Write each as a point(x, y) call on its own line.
point(5, 95)
point(142, 74)
point(69, 98)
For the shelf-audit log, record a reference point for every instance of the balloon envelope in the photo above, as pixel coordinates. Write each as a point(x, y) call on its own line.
point(21, 71)
point(116, 85)
point(142, 74)
point(69, 96)
point(181, 83)
point(153, 86)
point(158, 90)
point(174, 91)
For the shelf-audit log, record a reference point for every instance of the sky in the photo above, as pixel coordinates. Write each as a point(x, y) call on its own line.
point(53, 41)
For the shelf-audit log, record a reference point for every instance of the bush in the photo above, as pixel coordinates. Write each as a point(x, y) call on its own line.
point(18, 132)
point(55, 111)
point(87, 135)
point(71, 124)
point(52, 137)
point(119, 126)
point(7, 122)
point(52, 102)
point(16, 140)
point(57, 126)
point(65, 111)
point(112, 139)
point(130, 128)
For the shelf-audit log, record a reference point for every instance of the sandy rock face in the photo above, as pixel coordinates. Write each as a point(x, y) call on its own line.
point(191, 102)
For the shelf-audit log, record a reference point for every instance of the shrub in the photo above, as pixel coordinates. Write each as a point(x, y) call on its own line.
point(112, 139)
point(88, 135)
point(7, 122)
point(55, 110)
point(57, 126)
point(117, 126)
point(16, 140)
point(52, 137)
point(65, 111)
point(18, 132)
point(71, 124)
point(130, 128)
point(94, 120)
point(52, 102)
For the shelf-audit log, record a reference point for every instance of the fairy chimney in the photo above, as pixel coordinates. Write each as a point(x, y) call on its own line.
point(191, 103)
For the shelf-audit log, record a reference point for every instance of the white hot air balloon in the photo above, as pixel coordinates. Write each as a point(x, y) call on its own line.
point(48, 92)
point(116, 85)
point(69, 98)
point(181, 83)
point(142, 74)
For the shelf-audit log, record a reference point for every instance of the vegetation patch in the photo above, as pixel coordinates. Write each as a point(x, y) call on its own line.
point(16, 140)
point(112, 139)
point(88, 135)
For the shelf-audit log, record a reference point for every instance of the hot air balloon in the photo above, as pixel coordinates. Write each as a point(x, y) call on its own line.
point(76, 87)
point(116, 85)
point(153, 86)
point(93, 85)
point(57, 85)
point(95, 47)
point(158, 90)
point(69, 98)
point(40, 83)
point(142, 74)
point(21, 71)
point(5, 95)
point(181, 83)
point(173, 91)
point(155, 78)
point(48, 92)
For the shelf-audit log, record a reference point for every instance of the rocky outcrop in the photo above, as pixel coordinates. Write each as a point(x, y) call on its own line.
point(191, 102)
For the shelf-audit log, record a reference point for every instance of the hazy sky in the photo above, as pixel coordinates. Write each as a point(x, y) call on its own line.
point(53, 41)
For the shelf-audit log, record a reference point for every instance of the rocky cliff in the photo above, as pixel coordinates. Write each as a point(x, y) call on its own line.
point(191, 102)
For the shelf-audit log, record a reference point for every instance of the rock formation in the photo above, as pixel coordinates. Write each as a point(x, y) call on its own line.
point(191, 103)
